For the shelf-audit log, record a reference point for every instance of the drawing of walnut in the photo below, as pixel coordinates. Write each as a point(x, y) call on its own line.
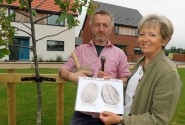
point(89, 93)
point(110, 95)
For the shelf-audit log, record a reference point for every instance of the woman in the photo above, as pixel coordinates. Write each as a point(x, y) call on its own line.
point(153, 90)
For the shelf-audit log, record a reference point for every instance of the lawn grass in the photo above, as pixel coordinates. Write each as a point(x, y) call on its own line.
point(179, 116)
point(26, 101)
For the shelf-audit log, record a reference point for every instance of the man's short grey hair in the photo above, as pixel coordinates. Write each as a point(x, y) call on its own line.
point(101, 12)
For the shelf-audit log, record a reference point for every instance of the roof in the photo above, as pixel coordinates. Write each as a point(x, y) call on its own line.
point(47, 5)
point(122, 15)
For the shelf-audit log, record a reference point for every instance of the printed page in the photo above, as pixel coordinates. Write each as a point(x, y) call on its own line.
point(97, 95)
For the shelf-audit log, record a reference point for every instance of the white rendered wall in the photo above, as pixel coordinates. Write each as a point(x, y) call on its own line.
point(43, 30)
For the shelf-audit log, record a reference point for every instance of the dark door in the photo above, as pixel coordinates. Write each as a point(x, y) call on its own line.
point(20, 51)
point(23, 49)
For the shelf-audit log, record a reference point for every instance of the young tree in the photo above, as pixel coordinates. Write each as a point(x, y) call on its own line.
point(7, 31)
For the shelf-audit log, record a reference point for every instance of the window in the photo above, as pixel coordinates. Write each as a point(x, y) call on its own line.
point(122, 30)
point(136, 32)
point(116, 30)
point(10, 12)
point(52, 20)
point(137, 51)
point(55, 45)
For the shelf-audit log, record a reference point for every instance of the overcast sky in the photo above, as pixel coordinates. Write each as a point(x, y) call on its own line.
point(173, 9)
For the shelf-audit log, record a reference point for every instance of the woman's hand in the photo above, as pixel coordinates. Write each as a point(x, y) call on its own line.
point(109, 118)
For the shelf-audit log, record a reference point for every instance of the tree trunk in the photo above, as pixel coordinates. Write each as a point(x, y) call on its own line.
point(36, 64)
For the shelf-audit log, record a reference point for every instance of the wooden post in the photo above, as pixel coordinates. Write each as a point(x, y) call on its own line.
point(60, 103)
point(12, 79)
point(11, 100)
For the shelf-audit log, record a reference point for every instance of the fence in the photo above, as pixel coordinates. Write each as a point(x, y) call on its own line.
point(11, 78)
point(133, 58)
point(179, 57)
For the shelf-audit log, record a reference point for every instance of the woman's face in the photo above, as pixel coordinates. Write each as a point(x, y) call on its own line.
point(151, 41)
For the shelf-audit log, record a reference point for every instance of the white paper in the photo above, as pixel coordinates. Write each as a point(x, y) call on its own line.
point(97, 95)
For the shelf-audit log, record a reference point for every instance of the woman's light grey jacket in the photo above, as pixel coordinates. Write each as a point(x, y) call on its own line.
point(157, 93)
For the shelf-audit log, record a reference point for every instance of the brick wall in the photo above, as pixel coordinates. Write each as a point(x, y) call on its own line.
point(130, 42)
point(133, 58)
point(179, 57)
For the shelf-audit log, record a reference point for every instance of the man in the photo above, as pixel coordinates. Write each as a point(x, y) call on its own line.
point(99, 54)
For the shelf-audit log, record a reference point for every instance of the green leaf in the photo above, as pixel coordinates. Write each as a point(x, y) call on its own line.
point(70, 21)
point(61, 18)
point(11, 16)
point(23, 4)
point(58, 2)
point(6, 51)
point(85, 2)
point(34, 13)
point(3, 52)
point(9, 1)
point(80, 10)
point(92, 7)
point(77, 22)
point(1, 40)
point(63, 6)
point(7, 31)
point(74, 10)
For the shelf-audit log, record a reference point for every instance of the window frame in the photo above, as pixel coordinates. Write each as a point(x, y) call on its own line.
point(50, 22)
point(58, 45)
point(137, 51)
point(124, 30)
point(11, 11)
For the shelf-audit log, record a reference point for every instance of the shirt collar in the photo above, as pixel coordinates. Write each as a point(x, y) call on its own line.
point(154, 60)
point(109, 43)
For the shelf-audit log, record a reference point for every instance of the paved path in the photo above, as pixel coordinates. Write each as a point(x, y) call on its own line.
point(20, 65)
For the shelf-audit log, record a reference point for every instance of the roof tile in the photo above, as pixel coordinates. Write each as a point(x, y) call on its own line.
point(48, 5)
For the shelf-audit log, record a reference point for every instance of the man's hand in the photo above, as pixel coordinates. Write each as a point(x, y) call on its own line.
point(73, 76)
point(104, 75)
point(82, 73)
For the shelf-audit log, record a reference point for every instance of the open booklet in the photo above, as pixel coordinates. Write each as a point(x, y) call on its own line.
point(97, 95)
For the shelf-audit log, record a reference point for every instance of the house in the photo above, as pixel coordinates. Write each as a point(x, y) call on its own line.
point(125, 32)
point(49, 48)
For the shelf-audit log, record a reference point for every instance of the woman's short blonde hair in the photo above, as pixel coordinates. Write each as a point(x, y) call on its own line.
point(165, 25)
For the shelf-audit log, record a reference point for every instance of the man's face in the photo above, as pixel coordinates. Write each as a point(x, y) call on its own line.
point(101, 27)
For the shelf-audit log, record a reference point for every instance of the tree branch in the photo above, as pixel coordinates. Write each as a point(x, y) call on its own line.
point(45, 17)
point(6, 6)
point(21, 13)
point(52, 35)
point(13, 10)
point(25, 25)
point(39, 4)
point(18, 29)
